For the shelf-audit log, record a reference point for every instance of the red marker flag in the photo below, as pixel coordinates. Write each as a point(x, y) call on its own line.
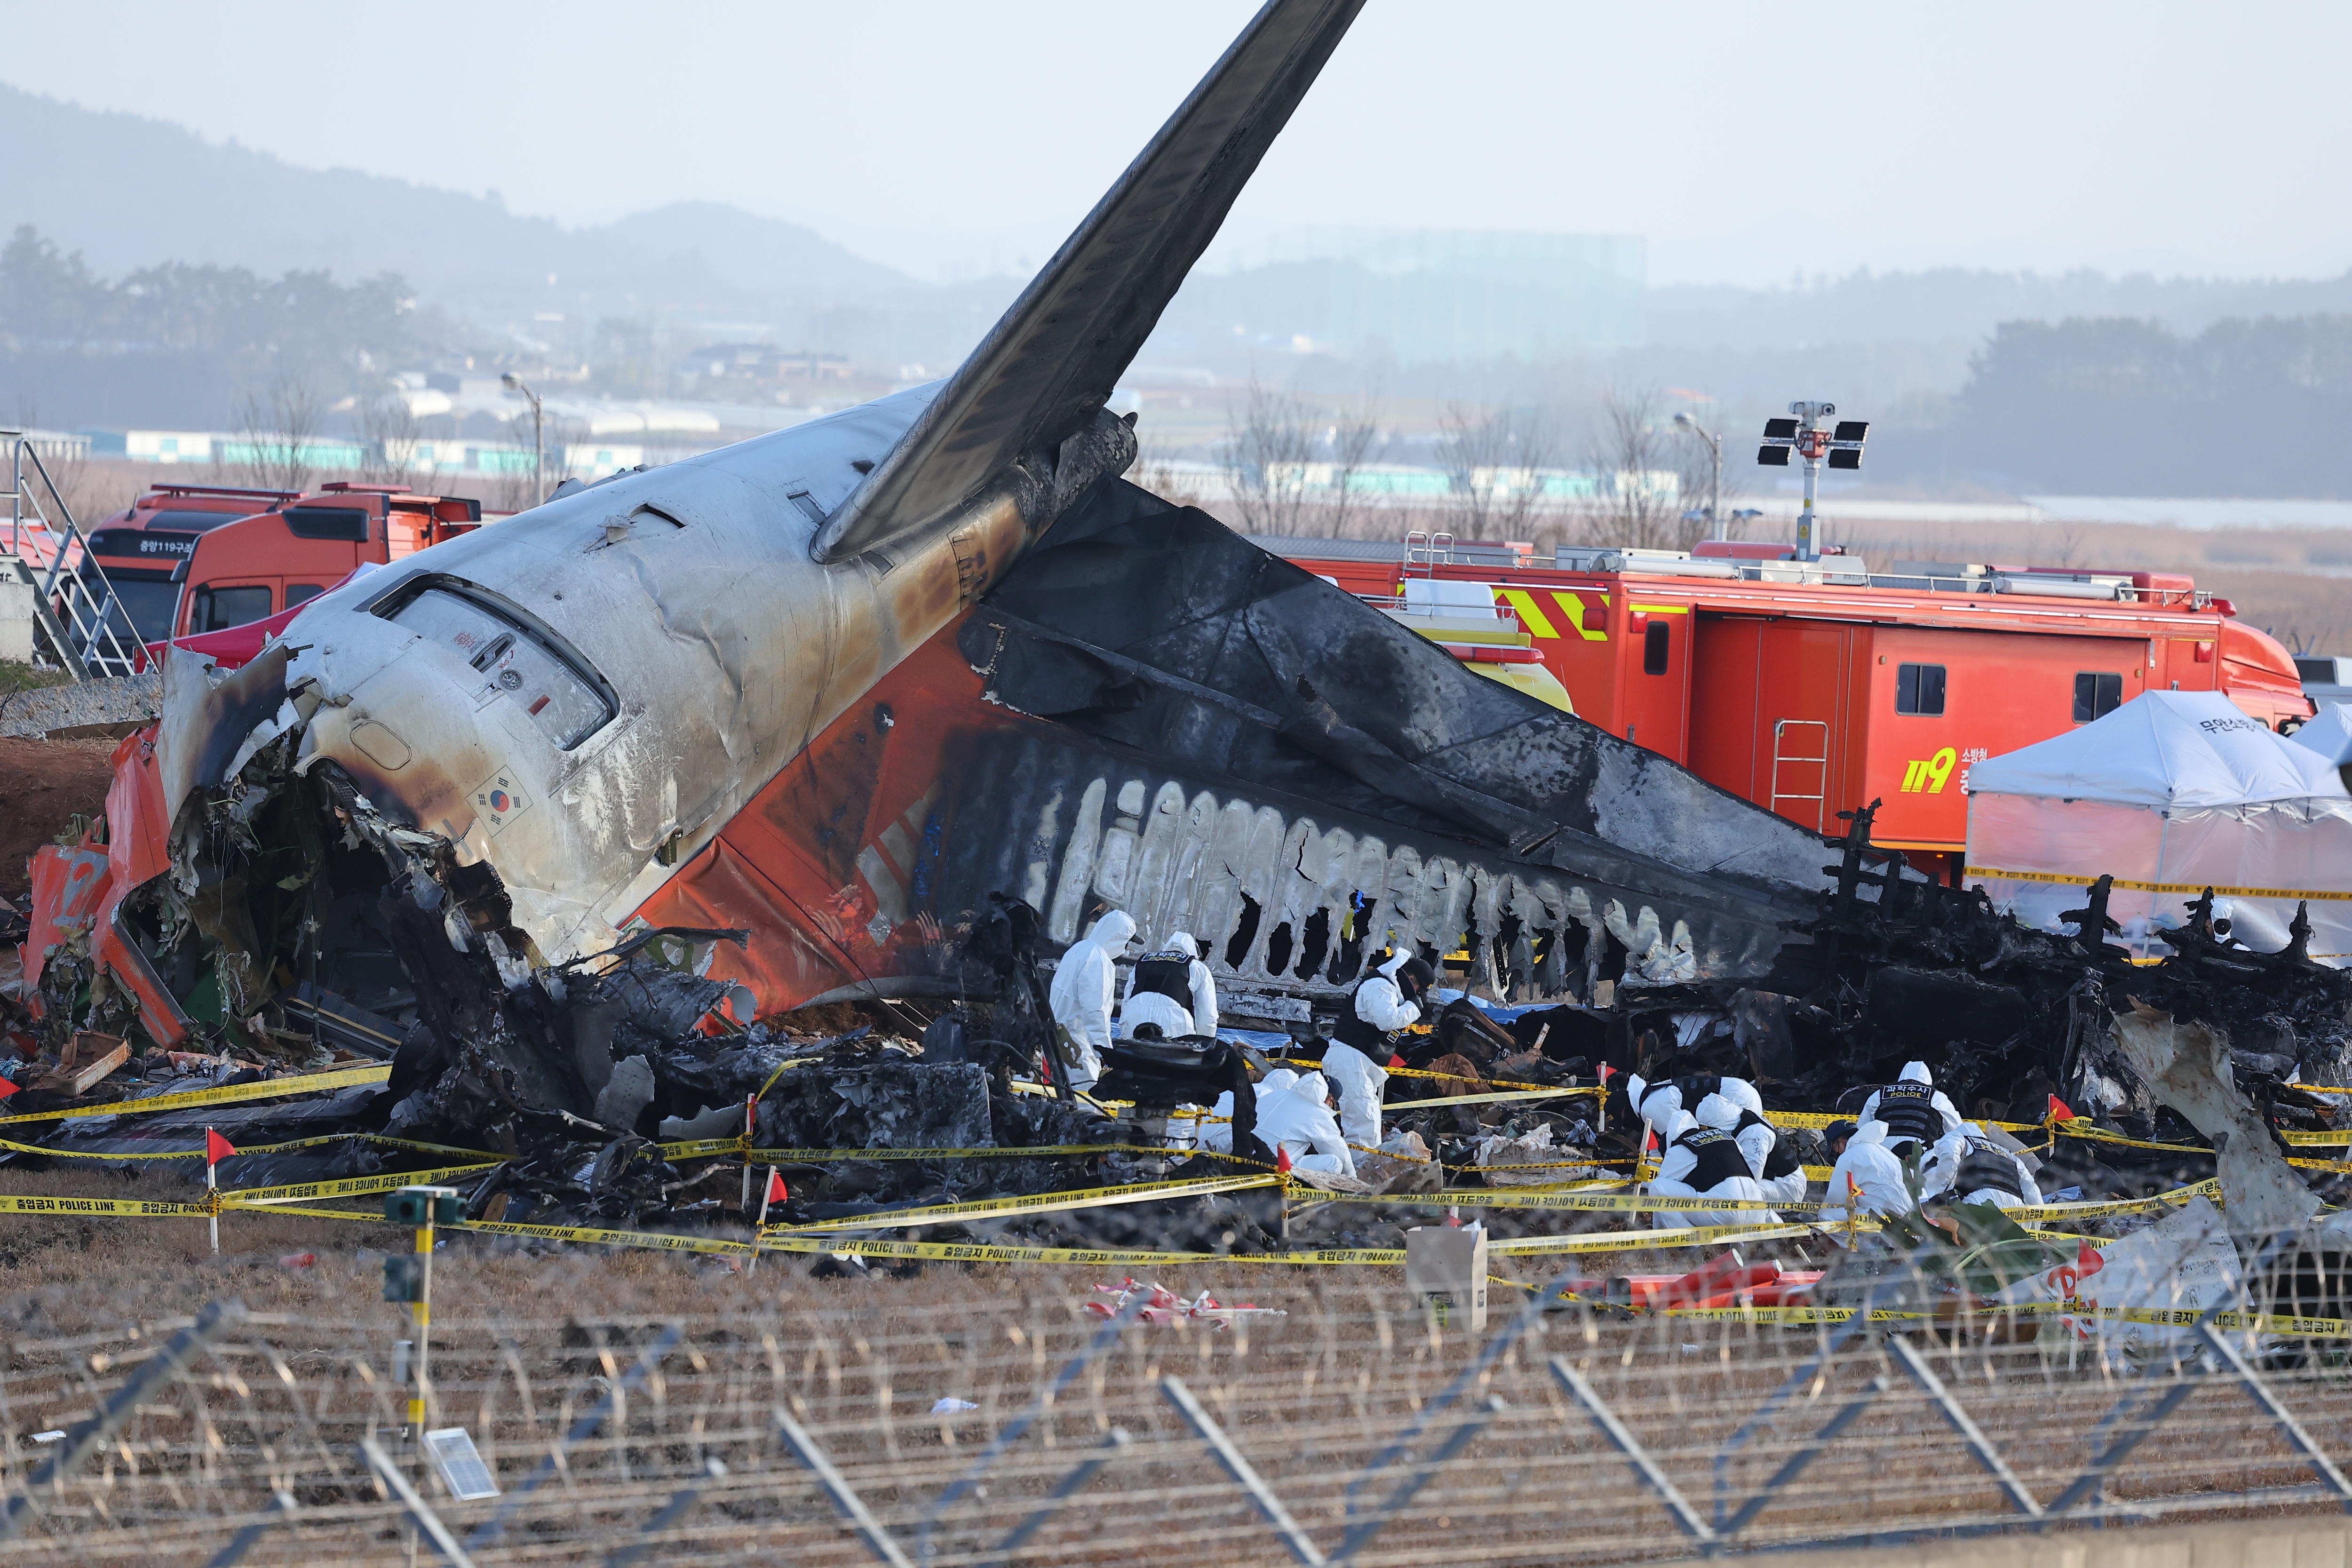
point(776, 1190)
point(1282, 1159)
point(8, 1085)
point(2060, 1111)
point(216, 1148)
point(1395, 1061)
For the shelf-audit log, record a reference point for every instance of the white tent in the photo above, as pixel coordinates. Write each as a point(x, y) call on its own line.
point(2172, 793)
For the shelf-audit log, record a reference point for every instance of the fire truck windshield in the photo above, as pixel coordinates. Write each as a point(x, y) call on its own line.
point(148, 604)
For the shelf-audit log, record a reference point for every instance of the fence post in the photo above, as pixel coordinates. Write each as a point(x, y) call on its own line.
point(163, 1366)
point(428, 1523)
point(1087, 1468)
point(1302, 1547)
point(837, 1486)
point(1621, 1437)
point(1362, 1533)
point(1021, 1424)
point(490, 1529)
point(1912, 1361)
point(1492, 1352)
point(671, 1513)
point(2260, 1392)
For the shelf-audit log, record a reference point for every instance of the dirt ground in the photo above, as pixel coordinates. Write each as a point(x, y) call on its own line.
point(78, 1274)
point(42, 784)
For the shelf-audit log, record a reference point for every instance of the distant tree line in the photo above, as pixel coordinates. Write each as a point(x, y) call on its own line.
point(186, 336)
point(2119, 406)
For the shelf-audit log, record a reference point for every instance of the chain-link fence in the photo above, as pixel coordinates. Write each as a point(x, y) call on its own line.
point(1010, 1421)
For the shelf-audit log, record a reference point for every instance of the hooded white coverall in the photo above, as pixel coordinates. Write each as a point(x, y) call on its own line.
point(1294, 1112)
point(1084, 987)
point(1680, 1168)
point(1173, 1016)
point(1916, 1072)
point(1874, 1171)
point(1658, 1104)
point(1942, 1170)
point(1361, 1082)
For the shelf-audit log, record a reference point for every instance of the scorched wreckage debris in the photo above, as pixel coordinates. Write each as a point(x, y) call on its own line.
point(887, 706)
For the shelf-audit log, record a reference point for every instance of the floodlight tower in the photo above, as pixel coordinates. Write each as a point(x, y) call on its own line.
point(1808, 434)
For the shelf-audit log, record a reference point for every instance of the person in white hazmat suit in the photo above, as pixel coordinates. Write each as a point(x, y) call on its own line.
point(1085, 985)
point(1968, 1166)
point(1771, 1157)
point(1170, 986)
point(1912, 1108)
point(1357, 1058)
point(1294, 1112)
point(1867, 1177)
point(1704, 1160)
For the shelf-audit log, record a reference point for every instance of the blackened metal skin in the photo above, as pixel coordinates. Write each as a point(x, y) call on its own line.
point(1162, 634)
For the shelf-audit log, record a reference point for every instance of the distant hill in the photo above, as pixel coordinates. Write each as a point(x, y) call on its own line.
point(128, 192)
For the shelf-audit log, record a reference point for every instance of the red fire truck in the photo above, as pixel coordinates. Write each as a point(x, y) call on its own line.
point(301, 547)
point(141, 547)
point(1813, 688)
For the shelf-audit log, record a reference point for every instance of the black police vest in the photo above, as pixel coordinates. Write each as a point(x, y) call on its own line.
point(1782, 1159)
point(1986, 1164)
point(1168, 974)
point(1720, 1158)
point(1352, 1029)
point(1910, 1111)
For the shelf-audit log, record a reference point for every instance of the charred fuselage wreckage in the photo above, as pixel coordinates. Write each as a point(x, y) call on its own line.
point(887, 704)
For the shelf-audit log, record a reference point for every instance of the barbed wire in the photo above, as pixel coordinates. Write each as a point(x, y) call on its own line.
point(1371, 1431)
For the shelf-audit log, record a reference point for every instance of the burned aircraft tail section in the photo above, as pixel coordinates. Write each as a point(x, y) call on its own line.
point(1151, 713)
point(1026, 406)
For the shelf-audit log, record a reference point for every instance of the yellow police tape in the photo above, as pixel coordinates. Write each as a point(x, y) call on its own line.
point(1454, 1077)
point(698, 1148)
point(346, 1186)
point(1037, 1202)
point(2189, 889)
point(230, 1094)
point(134, 1206)
point(198, 1151)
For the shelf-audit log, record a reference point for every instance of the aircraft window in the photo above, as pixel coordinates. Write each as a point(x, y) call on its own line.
point(1919, 688)
point(1658, 648)
point(301, 593)
point(217, 609)
point(566, 705)
point(2096, 696)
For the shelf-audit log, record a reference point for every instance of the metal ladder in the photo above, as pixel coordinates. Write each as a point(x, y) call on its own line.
point(81, 623)
point(1782, 734)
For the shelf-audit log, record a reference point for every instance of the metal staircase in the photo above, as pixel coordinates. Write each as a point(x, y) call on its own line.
point(82, 627)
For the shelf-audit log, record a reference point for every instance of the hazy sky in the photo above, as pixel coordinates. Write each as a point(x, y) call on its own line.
point(1747, 141)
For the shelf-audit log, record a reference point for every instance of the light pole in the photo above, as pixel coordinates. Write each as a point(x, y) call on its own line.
point(538, 437)
point(1809, 434)
point(1714, 519)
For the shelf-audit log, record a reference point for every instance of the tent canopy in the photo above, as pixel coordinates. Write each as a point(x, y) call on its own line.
point(2184, 750)
point(2330, 734)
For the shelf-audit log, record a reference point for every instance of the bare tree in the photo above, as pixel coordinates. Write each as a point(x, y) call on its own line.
point(1352, 434)
point(388, 429)
point(1640, 486)
point(1494, 458)
point(1265, 457)
point(277, 426)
